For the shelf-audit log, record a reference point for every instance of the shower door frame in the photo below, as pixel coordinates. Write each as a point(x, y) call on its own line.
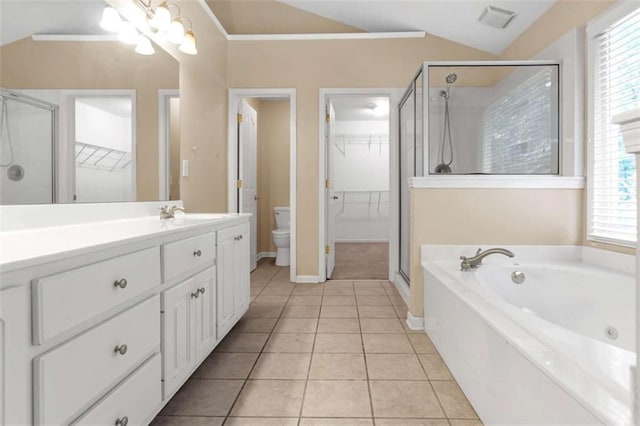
point(54, 109)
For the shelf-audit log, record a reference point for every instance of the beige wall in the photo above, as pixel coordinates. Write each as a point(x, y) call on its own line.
point(490, 217)
point(308, 66)
point(273, 167)
point(28, 64)
point(174, 148)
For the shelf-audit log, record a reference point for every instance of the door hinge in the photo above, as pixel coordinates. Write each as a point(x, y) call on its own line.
point(327, 117)
point(327, 249)
point(239, 118)
point(239, 183)
point(327, 183)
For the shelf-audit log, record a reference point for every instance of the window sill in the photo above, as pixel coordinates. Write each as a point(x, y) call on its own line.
point(497, 182)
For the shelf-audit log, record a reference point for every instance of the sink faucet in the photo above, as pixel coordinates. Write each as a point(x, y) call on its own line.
point(167, 212)
point(469, 263)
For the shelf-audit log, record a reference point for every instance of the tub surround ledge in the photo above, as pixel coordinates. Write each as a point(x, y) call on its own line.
point(497, 182)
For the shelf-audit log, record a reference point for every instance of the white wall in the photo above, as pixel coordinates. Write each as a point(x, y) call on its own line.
point(31, 138)
point(102, 128)
point(361, 174)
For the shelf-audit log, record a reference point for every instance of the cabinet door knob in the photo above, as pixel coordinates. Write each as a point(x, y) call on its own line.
point(239, 237)
point(196, 294)
point(201, 290)
point(122, 421)
point(120, 349)
point(122, 283)
point(197, 253)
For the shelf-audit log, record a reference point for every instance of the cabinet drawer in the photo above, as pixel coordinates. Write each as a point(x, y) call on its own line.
point(186, 255)
point(79, 372)
point(132, 401)
point(65, 300)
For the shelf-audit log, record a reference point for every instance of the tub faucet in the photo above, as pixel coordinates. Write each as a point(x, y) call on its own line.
point(167, 212)
point(469, 263)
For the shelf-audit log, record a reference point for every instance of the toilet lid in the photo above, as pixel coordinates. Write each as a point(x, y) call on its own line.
point(281, 232)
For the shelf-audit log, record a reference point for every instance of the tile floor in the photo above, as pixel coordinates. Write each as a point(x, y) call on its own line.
point(321, 354)
point(361, 261)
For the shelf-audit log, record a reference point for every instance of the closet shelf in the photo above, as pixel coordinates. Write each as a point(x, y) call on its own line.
point(342, 140)
point(102, 158)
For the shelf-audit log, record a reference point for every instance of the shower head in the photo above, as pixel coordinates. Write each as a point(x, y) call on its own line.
point(451, 78)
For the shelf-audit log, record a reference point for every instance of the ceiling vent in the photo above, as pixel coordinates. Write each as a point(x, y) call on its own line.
point(496, 17)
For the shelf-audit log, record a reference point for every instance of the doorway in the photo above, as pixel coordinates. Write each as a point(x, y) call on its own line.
point(262, 170)
point(357, 184)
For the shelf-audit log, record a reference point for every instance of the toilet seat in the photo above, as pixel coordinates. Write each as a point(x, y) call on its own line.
point(280, 232)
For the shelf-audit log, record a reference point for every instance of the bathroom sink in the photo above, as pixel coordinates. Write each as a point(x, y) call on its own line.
point(194, 218)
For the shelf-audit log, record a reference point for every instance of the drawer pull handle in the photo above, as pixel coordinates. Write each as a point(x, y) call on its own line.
point(196, 294)
point(120, 349)
point(201, 290)
point(123, 421)
point(197, 253)
point(122, 283)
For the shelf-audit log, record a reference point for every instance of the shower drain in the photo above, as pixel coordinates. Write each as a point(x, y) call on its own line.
point(611, 333)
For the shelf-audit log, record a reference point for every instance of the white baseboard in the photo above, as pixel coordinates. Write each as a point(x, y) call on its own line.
point(415, 323)
point(403, 288)
point(361, 241)
point(264, 254)
point(307, 279)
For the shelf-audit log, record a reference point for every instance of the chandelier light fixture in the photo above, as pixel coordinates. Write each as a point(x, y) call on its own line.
point(159, 21)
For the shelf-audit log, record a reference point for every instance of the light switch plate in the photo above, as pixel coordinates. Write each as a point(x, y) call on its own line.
point(185, 168)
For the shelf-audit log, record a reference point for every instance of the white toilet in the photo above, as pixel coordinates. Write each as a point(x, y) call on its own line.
point(281, 235)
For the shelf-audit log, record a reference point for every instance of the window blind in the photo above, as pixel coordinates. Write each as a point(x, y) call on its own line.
point(520, 132)
point(616, 89)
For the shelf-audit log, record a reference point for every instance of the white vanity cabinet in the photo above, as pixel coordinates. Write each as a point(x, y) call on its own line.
point(233, 276)
point(107, 333)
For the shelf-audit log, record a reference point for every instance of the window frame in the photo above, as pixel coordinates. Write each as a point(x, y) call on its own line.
point(594, 28)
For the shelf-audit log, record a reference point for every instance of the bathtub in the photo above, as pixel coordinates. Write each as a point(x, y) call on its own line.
point(556, 349)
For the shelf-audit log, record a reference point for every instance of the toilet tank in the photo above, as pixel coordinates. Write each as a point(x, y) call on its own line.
point(282, 217)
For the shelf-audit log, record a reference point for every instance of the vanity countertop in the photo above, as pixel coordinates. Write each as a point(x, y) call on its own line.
point(25, 248)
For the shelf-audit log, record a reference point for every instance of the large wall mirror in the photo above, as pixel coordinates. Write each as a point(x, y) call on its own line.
point(493, 119)
point(83, 117)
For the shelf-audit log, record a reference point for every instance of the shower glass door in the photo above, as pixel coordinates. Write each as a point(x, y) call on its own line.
point(406, 112)
point(27, 138)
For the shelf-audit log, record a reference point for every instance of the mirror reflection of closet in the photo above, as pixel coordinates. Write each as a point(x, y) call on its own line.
point(80, 116)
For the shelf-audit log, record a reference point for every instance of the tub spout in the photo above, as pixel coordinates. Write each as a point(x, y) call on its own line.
point(469, 263)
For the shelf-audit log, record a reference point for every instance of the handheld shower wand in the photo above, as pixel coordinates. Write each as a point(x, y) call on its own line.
point(445, 167)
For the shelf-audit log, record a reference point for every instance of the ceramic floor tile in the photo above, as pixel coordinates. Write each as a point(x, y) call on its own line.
point(203, 398)
point(381, 325)
point(278, 366)
point(422, 344)
point(301, 311)
point(263, 311)
point(304, 301)
point(270, 398)
point(308, 290)
point(327, 366)
point(336, 422)
point(296, 325)
point(373, 301)
point(377, 312)
point(338, 325)
point(290, 343)
point(277, 289)
point(220, 365)
point(266, 300)
point(461, 422)
point(338, 343)
point(394, 367)
point(346, 290)
point(255, 325)
point(369, 291)
point(435, 367)
point(242, 342)
point(453, 401)
point(338, 301)
point(338, 312)
point(336, 399)
point(261, 421)
point(412, 422)
point(404, 399)
point(387, 343)
point(187, 421)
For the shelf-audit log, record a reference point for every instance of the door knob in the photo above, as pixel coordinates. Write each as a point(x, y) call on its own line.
point(335, 197)
point(197, 253)
point(122, 283)
point(123, 421)
point(120, 349)
point(196, 294)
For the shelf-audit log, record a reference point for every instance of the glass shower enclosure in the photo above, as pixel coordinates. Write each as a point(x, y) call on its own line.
point(28, 136)
point(476, 118)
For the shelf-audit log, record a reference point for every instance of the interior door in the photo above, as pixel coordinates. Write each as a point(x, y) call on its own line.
point(330, 193)
point(248, 171)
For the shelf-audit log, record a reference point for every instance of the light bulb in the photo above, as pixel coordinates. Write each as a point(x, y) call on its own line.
point(188, 45)
point(111, 20)
point(144, 46)
point(128, 33)
point(176, 32)
point(161, 18)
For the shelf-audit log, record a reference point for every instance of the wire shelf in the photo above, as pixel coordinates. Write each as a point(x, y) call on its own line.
point(102, 158)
